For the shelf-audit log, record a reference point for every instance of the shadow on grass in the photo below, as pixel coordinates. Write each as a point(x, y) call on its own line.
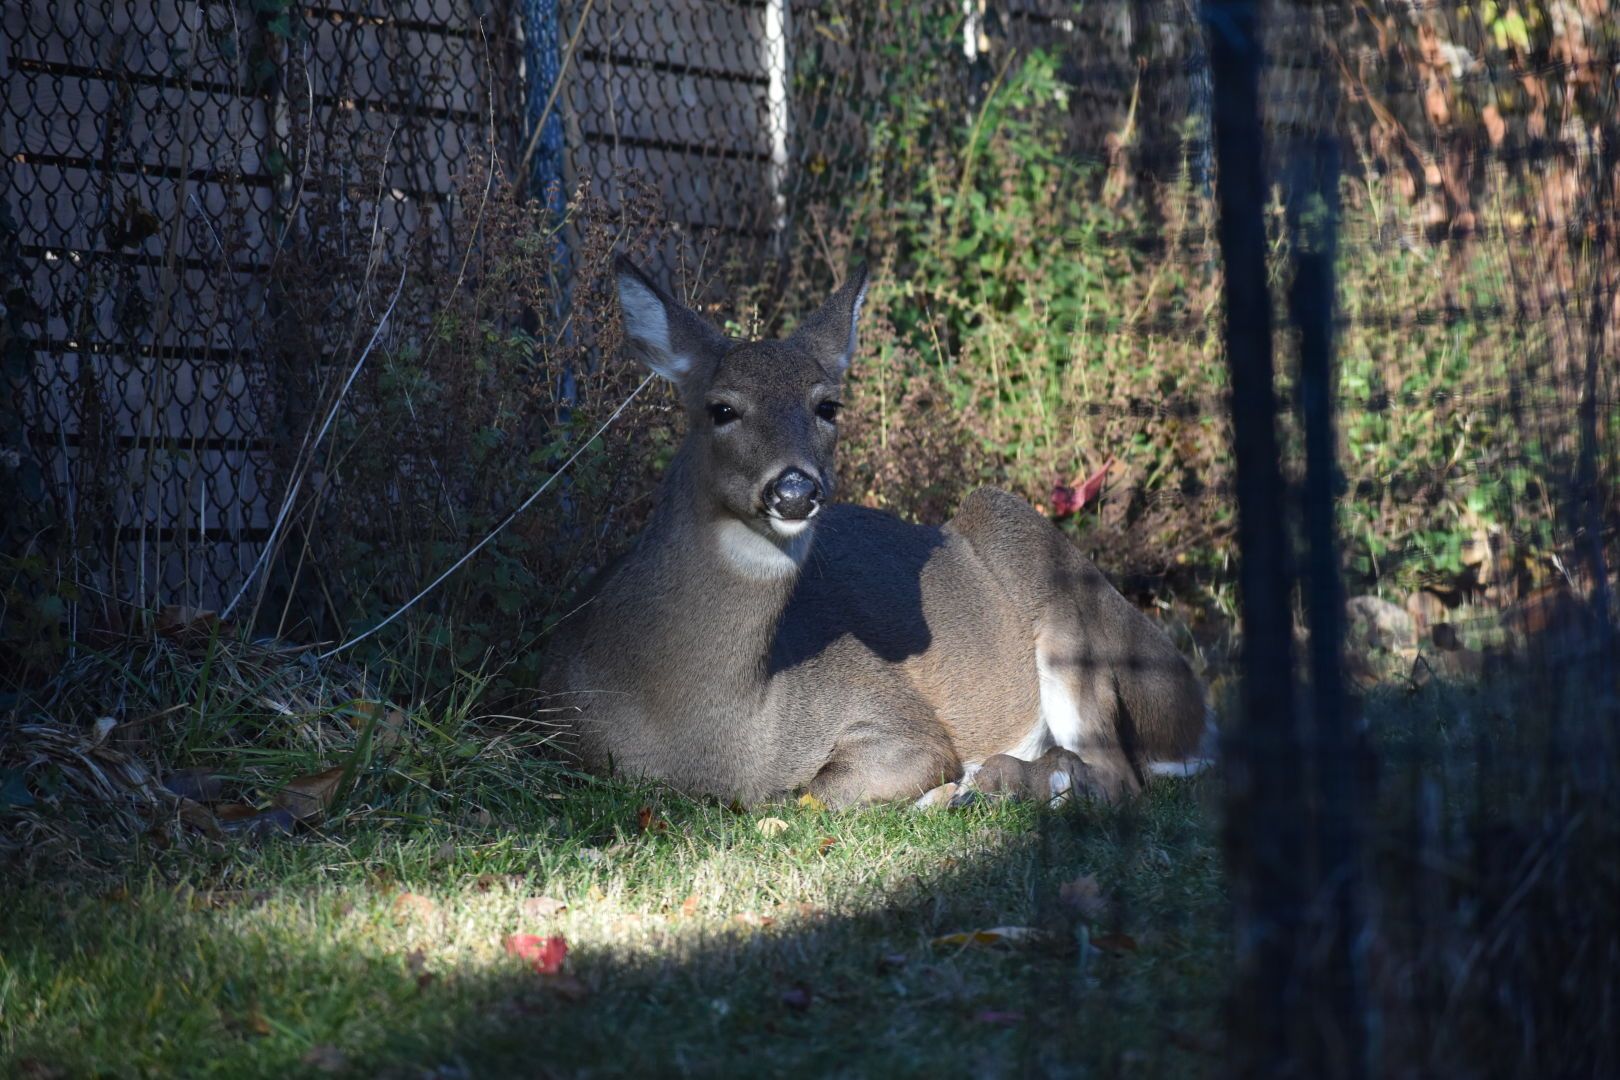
point(344, 976)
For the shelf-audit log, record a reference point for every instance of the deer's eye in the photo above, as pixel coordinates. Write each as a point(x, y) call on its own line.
point(721, 413)
point(828, 411)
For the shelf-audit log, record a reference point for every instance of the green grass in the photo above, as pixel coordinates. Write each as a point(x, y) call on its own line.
point(705, 948)
point(373, 943)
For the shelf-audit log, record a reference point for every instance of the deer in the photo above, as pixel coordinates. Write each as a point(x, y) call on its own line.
point(759, 639)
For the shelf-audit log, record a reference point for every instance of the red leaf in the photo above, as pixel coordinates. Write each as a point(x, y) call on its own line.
point(1071, 499)
point(648, 821)
point(544, 954)
point(1092, 488)
point(1064, 501)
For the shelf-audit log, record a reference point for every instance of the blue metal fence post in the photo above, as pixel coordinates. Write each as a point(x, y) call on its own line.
point(543, 141)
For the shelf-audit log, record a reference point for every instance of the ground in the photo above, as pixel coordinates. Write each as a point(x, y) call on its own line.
point(701, 940)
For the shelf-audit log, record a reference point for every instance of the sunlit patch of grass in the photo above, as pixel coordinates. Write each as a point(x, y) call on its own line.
point(373, 937)
point(700, 945)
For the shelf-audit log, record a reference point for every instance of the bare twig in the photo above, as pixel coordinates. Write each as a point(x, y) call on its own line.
point(489, 181)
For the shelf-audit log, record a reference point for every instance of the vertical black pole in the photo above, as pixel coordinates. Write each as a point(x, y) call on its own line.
point(1337, 1024)
point(1265, 820)
point(1588, 500)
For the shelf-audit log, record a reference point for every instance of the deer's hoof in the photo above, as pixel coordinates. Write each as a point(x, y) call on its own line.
point(1054, 778)
point(945, 797)
point(937, 798)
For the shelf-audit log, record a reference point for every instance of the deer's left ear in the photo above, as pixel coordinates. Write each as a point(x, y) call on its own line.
point(830, 332)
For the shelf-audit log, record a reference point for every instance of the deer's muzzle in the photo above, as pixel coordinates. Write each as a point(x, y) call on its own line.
point(793, 496)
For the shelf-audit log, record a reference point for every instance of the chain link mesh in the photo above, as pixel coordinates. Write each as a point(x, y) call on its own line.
point(156, 156)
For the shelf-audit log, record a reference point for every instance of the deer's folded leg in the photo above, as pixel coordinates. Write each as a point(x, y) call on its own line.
point(876, 762)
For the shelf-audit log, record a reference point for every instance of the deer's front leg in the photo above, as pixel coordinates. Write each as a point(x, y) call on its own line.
point(878, 761)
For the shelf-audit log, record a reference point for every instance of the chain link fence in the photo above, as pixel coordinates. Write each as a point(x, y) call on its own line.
point(161, 158)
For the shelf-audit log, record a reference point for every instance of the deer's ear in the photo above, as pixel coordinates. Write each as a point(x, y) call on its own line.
point(830, 332)
point(669, 337)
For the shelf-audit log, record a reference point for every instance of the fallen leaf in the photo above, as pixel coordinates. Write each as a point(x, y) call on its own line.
point(390, 730)
point(1117, 944)
point(648, 821)
point(176, 621)
point(595, 893)
point(997, 1016)
point(198, 817)
point(542, 907)
point(689, 906)
point(310, 796)
point(1092, 487)
point(826, 844)
point(544, 954)
point(414, 905)
point(999, 935)
point(257, 823)
point(1071, 499)
point(486, 882)
point(811, 803)
point(387, 725)
point(797, 997)
point(771, 826)
point(753, 918)
point(255, 1023)
point(325, 1058)
point(1084, 897)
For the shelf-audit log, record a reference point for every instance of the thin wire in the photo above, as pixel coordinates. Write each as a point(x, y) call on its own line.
point(476, 548)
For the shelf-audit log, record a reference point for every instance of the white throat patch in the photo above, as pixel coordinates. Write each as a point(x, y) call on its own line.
point(759, 557)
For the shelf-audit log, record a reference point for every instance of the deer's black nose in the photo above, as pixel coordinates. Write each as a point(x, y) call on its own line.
point(793, 496)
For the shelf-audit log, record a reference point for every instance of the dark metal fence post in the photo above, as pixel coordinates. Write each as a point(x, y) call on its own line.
point(1337, 1021)
point(1265, 831)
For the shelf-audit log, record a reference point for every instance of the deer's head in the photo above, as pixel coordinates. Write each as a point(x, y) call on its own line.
point(762, 416)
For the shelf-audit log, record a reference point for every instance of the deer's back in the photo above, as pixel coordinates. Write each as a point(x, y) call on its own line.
point(917, 603)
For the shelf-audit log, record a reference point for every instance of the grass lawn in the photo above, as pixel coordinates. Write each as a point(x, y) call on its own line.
point(140, 936)
point(698, 943)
